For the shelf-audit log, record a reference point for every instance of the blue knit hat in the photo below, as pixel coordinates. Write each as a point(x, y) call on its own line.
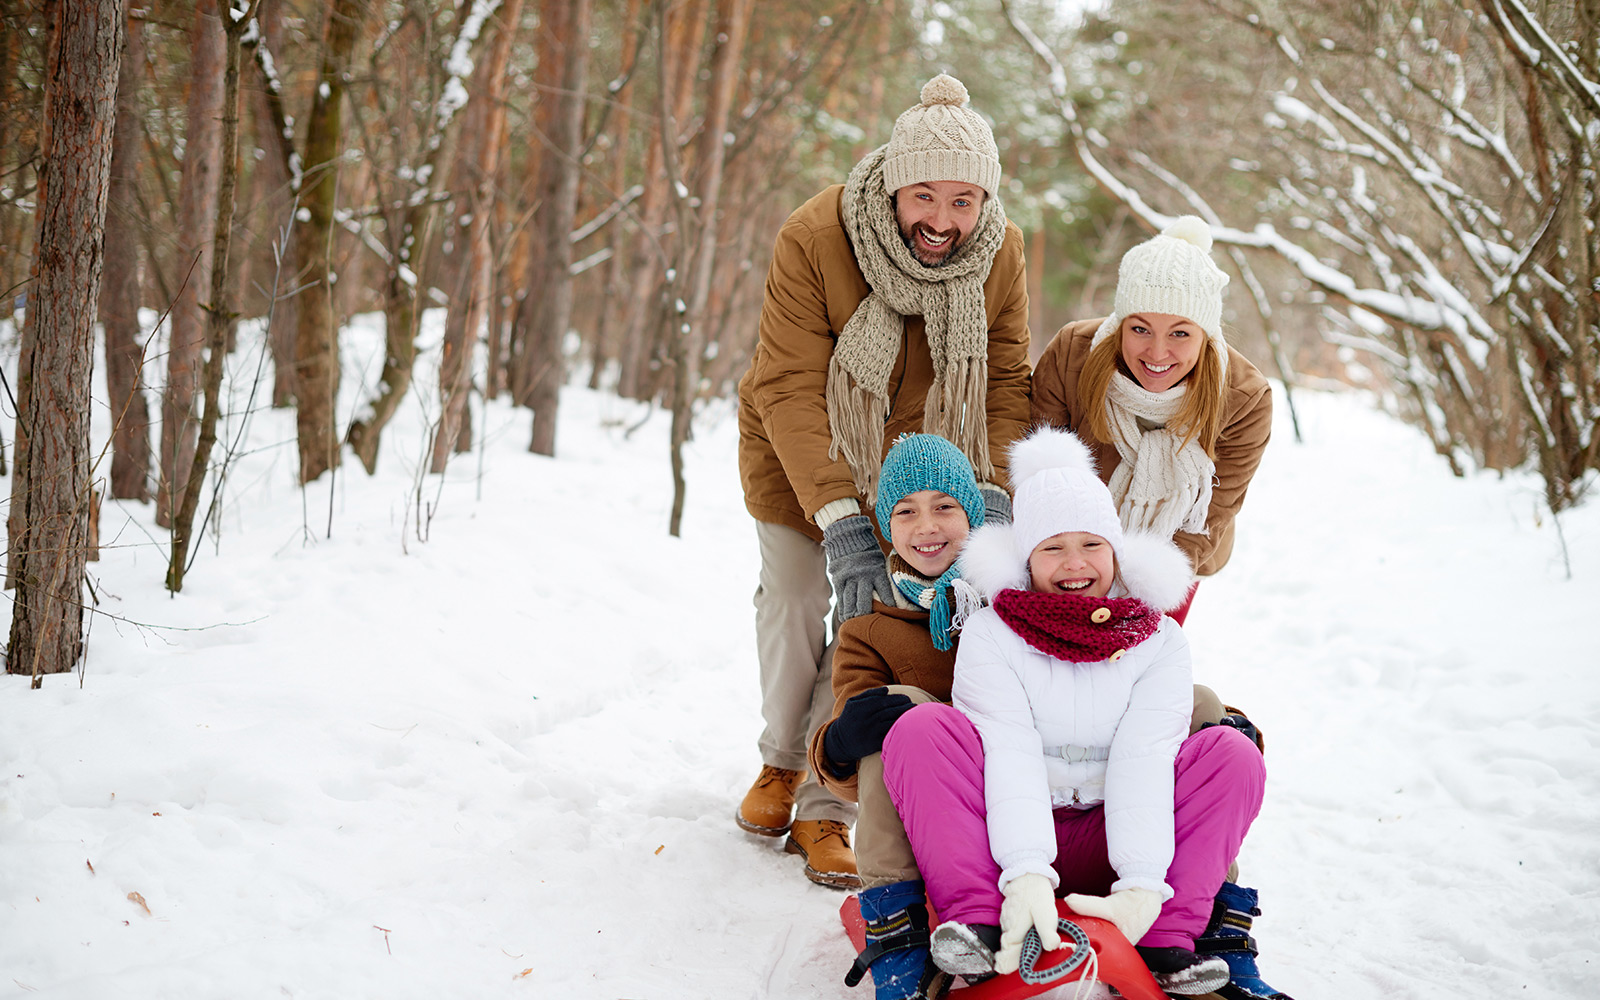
point(928, 462)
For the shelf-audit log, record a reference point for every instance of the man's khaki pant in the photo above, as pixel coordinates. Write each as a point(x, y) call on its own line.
point(796, 660)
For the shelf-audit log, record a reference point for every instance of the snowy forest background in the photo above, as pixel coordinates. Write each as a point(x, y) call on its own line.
point(357, 697)
point(1405, 192)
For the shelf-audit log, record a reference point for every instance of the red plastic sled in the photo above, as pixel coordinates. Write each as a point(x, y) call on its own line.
point(1119, 965)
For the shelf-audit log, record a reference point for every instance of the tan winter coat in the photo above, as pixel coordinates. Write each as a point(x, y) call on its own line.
point(813, 287)
point(1246, 425)
point(889, 646)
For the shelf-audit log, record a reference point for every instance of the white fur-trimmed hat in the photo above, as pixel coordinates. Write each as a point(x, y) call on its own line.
point(942, 139)
point(1172, 273)
point(1055, 489)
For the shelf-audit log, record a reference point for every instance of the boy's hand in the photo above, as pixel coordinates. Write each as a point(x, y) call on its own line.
point(861, 726)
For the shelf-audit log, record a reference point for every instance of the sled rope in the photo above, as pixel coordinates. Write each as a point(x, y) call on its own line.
point(1033, 948)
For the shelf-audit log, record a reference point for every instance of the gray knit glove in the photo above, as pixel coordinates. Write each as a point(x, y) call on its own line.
point(996, 507)
point(855, 564)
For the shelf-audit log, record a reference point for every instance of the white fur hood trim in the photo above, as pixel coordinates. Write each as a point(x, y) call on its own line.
point(989, 561)
point(1153, 568)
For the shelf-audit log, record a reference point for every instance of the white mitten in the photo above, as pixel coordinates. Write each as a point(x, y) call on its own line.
point(1132, 910)
point(1030, 902)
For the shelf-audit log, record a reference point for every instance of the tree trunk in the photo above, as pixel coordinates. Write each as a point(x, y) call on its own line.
point(550, 295)
point(637, 379)
point(480, 164)
point(219, 314)
point(611, 302)
point(316, 347)
point(275, 189)
point(688, 339)
point(49, 519)
point(120, 291)
point(882, 49)
point(13, 154)
point(511, 268)
point(197, 212)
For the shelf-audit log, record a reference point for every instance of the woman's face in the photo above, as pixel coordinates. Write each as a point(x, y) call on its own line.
point(1073, 562)
point(927, 528)
point(1161, 349)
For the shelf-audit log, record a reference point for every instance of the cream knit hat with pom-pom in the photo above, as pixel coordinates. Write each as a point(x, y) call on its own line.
point(941, 139)
point(1172, 273)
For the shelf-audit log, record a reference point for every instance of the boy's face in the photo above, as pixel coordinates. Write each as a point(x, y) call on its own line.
point(1073, 562)
point(926, 529)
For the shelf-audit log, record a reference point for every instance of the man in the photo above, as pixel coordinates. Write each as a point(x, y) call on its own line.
point(895, 302)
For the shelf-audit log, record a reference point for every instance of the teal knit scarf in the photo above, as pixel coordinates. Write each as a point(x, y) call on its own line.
point(932, 596)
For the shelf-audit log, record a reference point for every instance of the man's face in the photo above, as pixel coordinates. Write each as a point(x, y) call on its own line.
point(936, 217)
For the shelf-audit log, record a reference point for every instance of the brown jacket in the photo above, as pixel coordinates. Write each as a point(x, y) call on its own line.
point(813, 287)
point(889, 646)
point(1246, 425)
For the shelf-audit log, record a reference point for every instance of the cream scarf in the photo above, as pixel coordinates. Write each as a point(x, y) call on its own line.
point(949, 298)
point(1161, 485)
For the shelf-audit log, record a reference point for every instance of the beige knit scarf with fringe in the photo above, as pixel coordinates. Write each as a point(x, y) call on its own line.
point(948, 297)
point(1162, 484)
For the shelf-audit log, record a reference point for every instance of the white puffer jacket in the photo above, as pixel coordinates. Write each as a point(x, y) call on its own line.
point(1057, 733)
point(1133, 711)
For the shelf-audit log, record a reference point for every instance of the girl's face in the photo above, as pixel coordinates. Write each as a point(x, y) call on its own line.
point(927, 528)
point(1073, 562)
point(1160, 349)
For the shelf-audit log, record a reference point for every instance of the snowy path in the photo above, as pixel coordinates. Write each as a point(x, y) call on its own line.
point(414, 768)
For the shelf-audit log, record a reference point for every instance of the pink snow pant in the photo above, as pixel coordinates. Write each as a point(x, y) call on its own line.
point(933, 767)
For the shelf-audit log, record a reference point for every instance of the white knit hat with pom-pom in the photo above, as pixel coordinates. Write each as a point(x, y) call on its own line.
point(1056, 490)
point(1172, 273)
point(941, 139)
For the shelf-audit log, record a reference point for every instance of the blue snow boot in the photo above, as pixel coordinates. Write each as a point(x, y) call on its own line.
point(896, 916)
point(1228, 937)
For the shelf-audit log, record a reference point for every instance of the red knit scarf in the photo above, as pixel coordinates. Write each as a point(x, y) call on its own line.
point(1064, 625)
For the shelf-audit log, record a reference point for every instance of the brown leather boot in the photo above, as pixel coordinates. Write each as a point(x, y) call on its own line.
point(825, 844)
point(768, 804)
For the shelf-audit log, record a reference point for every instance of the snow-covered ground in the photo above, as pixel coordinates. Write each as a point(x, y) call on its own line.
point(483, 737)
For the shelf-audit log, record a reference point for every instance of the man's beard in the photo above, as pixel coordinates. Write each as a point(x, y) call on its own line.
point(909, 236)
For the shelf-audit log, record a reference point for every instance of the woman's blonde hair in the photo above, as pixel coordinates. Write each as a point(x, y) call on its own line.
point(1200, 418)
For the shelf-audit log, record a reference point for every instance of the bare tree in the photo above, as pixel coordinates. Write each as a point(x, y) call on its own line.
point(276, 184)
point(120, 288)
point(410, 206)
point(479, 167)
point(48, 526)
point(548, 307)
point(690, 318)
point(612, 301)
point(19, 140)
point(197, 212)
point(684, 28)
point(316, 346)
point(219, 314)
point(1428, 171)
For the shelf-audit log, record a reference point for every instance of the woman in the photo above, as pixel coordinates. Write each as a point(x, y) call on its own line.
point(1177, 421)
point(1176, 418)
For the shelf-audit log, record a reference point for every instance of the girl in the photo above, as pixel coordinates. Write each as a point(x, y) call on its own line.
point(1176, 418)
point(1065, 766)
